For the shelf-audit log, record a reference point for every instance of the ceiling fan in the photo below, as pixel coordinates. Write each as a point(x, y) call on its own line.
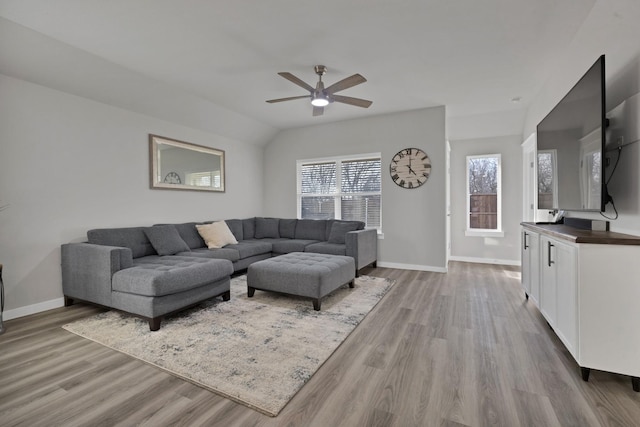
point(320, 96)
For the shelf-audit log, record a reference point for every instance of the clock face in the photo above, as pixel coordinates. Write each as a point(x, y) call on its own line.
point(410, 168)
point(172, 178)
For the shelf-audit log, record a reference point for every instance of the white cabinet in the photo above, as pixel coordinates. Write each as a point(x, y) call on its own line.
point(559, 293)
point(589, 289)
point(530, 264)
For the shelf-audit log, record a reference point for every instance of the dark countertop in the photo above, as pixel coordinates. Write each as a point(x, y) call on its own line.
point(578, 235)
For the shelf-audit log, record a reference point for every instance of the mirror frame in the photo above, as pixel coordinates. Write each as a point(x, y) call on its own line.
point(155, 140)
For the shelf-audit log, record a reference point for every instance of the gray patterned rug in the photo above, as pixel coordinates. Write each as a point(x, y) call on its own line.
point(256, 351)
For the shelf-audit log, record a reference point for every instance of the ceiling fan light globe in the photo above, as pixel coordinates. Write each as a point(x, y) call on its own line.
point(319, 102)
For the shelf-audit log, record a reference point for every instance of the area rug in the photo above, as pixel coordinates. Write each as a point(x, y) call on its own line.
point(256, 351)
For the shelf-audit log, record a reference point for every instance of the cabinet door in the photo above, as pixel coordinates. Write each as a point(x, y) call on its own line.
point(531, 264)
point(534, 262)
point(567, 296)
point(548, 297)
point(526, 261)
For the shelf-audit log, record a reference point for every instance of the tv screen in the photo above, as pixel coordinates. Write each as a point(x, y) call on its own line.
point(570, 144)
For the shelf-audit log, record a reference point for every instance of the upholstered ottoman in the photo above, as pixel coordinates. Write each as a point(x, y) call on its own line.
point(301, 273)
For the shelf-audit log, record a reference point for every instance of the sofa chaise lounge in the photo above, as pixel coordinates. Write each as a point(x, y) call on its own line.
point(154, 271)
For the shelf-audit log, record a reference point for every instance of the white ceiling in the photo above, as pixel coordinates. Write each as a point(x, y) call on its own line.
point(472, 56)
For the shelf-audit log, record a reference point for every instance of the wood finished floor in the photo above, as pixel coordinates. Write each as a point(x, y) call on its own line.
point(456, 349)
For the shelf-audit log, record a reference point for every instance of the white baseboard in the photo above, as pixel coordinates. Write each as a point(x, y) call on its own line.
point(485, 260)
point(33, 309)
point(412, 267)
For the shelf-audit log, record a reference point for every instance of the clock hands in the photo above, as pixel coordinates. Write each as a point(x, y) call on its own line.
point(409, 166)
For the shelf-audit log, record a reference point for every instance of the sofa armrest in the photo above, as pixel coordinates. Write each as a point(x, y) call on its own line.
point(87, 270)
point(362, 245)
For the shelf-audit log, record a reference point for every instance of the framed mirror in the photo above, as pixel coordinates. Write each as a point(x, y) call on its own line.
point(178, 165)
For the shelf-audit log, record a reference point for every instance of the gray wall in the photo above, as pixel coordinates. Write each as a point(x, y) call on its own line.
point(68, 164)
point(413, 221)
point(505, 249)
point(611, 29)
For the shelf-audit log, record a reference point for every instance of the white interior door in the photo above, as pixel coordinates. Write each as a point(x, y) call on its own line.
point(448, 202)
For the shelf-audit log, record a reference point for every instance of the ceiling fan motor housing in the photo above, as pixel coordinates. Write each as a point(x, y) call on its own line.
point(321, 70)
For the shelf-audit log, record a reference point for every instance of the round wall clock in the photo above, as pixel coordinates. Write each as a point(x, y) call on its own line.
point(172, 178)
point(410, 168)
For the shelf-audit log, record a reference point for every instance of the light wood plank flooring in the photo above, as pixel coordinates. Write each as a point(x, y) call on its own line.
point(457, 349)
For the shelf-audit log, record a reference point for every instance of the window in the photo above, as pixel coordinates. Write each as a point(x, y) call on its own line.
point(484, 195)
point(203, 179)
point(348, 188)
point(547, 179)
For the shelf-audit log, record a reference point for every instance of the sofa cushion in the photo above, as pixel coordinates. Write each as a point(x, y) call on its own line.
point(235, 225)
point(157, 276)
point(216, 235)
point(249, 248)
point(190, 235)
point(288, 228)
point(339, 229)
point(327, 248)
point(166, 240)
point(221, 253)
point(133, 238)
point(311, 229)
point(248, 228)
point(284, 246)
point(267, 228)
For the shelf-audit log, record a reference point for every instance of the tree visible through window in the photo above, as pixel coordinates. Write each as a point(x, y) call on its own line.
point(483, 192)
point(347, 189)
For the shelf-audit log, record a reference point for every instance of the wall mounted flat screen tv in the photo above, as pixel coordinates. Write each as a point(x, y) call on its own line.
point(570, 147)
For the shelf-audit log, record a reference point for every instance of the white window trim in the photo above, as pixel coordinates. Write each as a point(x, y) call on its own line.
point(480, 232)
point(338, 196)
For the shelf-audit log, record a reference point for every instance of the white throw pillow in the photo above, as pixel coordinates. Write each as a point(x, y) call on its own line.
point(216, 235)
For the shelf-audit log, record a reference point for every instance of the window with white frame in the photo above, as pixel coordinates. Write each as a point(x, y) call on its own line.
point(347, 188)
point(484, 202)
point(203, 179)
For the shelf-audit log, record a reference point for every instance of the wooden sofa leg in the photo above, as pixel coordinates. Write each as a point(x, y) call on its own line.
point(226, 296)
point(68, 302)
point(316, 304)
point(154, 324)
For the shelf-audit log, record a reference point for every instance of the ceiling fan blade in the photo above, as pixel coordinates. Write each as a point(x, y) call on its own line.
point(352, 101)
point(291, 98)
point(317, 111)
point(294, 79)
point(343, 84)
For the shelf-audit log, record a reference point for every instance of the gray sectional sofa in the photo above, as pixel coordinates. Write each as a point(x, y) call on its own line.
point(154, 271)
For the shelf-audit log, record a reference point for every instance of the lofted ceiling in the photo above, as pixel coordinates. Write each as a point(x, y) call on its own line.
point(474, 57)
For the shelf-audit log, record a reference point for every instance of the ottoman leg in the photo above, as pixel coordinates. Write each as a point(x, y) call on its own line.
point(250, 291)
point(351, 284)
point(226, 296)
point(316, 304)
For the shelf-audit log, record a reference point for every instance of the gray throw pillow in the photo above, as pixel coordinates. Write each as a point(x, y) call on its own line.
point(339, 231)
point(288, 228)
point(166, 240)
point(235, 225)
point(267, 227)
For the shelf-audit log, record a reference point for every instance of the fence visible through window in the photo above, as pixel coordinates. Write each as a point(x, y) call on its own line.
point(484, 211)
